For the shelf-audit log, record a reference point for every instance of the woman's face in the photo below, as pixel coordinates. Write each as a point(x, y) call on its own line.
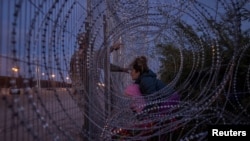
point(134, 74)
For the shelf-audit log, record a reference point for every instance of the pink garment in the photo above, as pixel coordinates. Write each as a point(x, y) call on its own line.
point(138, 102)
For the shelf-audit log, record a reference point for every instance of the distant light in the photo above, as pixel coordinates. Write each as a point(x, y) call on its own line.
point(43, 73)
point(101, 84)
point(15, 69)
point(67, 78)
point(53, 75)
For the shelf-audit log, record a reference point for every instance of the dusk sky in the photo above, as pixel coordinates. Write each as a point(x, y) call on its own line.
point(199, 49)
point(61, 31)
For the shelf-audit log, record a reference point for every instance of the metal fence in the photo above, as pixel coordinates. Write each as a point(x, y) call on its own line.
point(55, 56)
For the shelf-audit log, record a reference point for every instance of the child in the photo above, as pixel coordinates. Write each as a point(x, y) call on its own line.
point(138, 102)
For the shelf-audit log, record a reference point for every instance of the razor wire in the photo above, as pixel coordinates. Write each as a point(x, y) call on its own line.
point(56, 54)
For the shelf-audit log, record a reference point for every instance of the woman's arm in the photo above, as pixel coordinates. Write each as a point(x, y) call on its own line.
point(115, 68)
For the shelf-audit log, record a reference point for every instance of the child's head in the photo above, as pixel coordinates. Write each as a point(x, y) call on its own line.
point(133, 90)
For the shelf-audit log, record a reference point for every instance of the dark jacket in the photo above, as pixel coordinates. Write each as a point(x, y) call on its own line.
point(149, 83)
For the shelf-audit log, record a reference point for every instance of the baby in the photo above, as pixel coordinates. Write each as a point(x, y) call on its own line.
point(138, 102)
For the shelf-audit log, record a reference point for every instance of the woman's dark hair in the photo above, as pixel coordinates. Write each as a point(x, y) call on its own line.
point(140, 64)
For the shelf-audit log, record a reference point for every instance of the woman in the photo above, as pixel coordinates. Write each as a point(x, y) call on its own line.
point(145, 77)
point(149, 84)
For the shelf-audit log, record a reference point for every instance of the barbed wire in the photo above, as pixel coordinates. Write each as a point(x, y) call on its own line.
point(94, 107)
